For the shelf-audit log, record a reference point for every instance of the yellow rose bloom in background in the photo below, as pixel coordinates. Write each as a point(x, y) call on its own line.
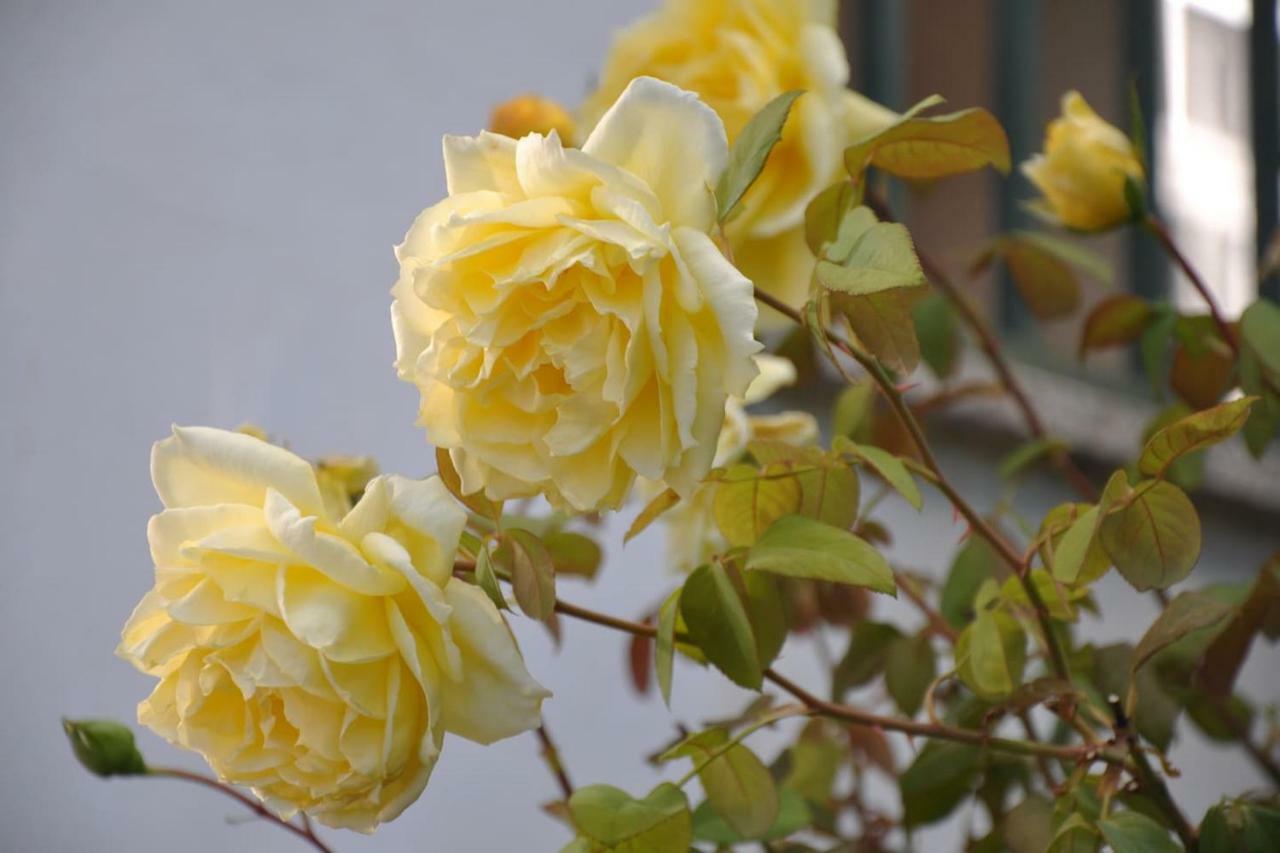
point(316, 659)
point(692, 536)
point(1082, 171)
point(738, 55)
point(527, 114)
point(565, 314)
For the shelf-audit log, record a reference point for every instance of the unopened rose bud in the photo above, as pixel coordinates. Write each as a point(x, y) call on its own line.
point(1084, 168)
point(342, 479)
point(104, 747)
point(532, 114)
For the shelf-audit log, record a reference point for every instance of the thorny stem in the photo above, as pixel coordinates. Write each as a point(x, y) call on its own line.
point(304, 831)
point(1161, 232)
point(991, 348)
point(859, 717)
point(551, 756)
point(979, 524)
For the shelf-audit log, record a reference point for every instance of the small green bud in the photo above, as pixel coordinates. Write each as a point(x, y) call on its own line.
point(104, 747)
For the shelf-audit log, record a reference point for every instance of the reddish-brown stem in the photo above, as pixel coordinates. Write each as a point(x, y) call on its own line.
point(551, 756)
point(305, 832)
point(857, 716)
point(1161, 232)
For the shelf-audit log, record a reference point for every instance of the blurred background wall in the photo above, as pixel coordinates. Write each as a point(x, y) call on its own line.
point(197, 205)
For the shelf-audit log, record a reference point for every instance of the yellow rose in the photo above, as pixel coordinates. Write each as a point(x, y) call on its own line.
point(692, 536)
point(532, 114)
point(738, 55)
point(565, 314)
point(1083, 168)
point(317, 660)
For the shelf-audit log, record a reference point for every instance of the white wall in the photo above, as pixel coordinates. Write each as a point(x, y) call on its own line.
point(197, 205)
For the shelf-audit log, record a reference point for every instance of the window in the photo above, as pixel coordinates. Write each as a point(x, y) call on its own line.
point(1205, 148)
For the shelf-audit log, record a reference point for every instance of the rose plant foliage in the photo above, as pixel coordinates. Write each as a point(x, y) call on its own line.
point(593, 315)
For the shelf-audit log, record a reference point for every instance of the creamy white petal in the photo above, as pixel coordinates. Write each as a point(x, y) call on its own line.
point(197, 466)
point(672, 141)
point(497, 697)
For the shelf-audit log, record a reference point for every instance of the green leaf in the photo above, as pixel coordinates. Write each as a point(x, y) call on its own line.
point(793, 816)
point(1048, 286)
point(974, 564)
point(1188, 612)
point(923, 148)
point(852, 409)
point(748, 501)
point(1071, 252)
point(1186, 472)
point(1154, 540)
point(664, 647)
point(991, 653)
point(1027, 454)
point(650, 513)
point(910, 667)
point(1260, 332)
point(1114, 321)
point(768, 616)
point(1241, 826)
point(1027, 826)
point(1058, 599)
point(1225, 654)
point(829, 492)
point(799, 547)
point(524, 559)
point(738, 785)
point(750, 151)
point(104, 747)
point(573, 553)
point(1072, 550)
point(717, 623)
point(884, 323)
point(1075, 835)
point(814, 761)
point(891, 468)
point(882, 258)
point(938, 333)
point(1054, 528)
point(824, 214)
point(941, 777)
point(1264, 422)
point(613, 821)
point(1192, 433)
point(1134, 832)
point(865, 659)
point(487, 580)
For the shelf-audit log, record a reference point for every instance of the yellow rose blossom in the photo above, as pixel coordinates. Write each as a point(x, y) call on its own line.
point(317, 660)
point(565, 314)
point(527, 114)
point(692, 536)
point(738, 55)
point(1082, 172)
